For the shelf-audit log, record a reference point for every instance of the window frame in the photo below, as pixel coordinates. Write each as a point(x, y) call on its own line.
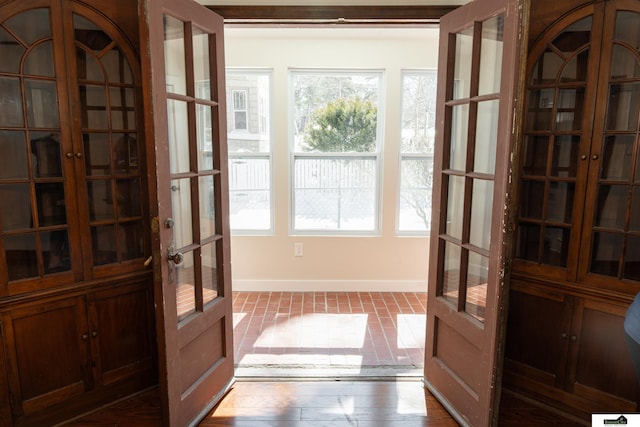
point(236, 110)
point(269, 73)
point(377, 155)
point(407, 155)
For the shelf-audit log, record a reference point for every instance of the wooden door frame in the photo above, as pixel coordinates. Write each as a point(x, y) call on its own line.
point(331, 15)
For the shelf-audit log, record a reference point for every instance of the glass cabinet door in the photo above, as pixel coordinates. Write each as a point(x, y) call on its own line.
point(554, 131)
point(580, 170)
point(612, 226)
point(71, 181)
point(37, 240)
point(109, 147)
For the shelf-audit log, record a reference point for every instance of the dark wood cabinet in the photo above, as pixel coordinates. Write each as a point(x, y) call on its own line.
point(76, 311)
point(68, 352)
point(568, 351)
point(577, 240)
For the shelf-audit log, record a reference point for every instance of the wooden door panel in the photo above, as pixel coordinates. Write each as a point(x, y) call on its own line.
point(121, 332)
point(603, 370)
point(187, 134)
point(538, 319)
point(477, 69)
point(48, 368)
point(5, 402)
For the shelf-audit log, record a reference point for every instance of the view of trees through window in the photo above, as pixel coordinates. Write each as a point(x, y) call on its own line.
point(416, 150)
point(335, 147)
point(336, 150)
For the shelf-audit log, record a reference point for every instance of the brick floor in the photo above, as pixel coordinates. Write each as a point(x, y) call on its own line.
point(329, 329)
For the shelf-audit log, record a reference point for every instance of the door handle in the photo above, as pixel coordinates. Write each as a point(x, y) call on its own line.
point(176, 257)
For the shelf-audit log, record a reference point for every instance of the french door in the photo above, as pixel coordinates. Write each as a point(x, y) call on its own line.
point(477, 85)
point(184, 77)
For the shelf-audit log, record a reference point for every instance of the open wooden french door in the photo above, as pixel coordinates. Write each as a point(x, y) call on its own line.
point(480, 48)
point(183, 68)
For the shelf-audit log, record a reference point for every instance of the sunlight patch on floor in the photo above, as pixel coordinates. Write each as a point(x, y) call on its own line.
point(411, 330)
point(316, 330)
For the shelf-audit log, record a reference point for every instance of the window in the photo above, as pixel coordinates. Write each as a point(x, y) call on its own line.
point(336, 145)
point(239, 109)
point(416, 151)
point(249, 146)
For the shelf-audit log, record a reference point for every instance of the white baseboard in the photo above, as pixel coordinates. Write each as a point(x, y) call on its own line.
point(330, 285)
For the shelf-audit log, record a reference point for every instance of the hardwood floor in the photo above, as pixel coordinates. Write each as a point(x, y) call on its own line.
point(271, 328)
point(330, 403)
point(319, 403)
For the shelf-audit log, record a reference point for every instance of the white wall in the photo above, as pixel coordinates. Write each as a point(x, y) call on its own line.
point(384, 262)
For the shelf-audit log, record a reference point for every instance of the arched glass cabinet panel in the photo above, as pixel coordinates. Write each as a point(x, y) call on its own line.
point(71, 166)
point(579, 188)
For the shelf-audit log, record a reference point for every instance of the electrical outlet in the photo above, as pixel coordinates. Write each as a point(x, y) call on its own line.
point(298, 249)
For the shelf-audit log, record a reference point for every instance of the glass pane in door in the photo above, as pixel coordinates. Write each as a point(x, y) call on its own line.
point(11, 101)
point(481, 209)
point(185, 284)
point(39, 62)
point(31, 26)
point(207, 207)
point(209, 273)
point(459, 134)
point(455, 205)
point(477, 276)
point(471, 162)
point(10, 51)
point(19, 216)
point(486, 137)
point(491, 55)
point(565, 156)
point(193, 252)
point(205, 135)
point(13, 162)
point(201, 61)
point(22, 256)
point(451, 274)
point(40, 97)
point(462, 68)
point(174, 56)
point(177, 122)
point(181, 202)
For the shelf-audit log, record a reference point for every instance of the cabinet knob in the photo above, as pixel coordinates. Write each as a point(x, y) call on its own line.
point(574, 338)
point(595, 157)
point(564, 335)
point(94, 334)
point(69, 155)
point(583, 157)
point(85, 337)
point(79, 155)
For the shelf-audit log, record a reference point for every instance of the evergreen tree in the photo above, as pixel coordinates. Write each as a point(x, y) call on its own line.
point(344, 125)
